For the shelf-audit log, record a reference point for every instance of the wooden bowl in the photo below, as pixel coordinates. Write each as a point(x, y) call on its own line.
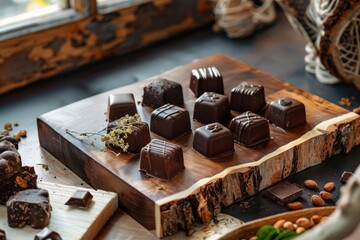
point(249, 229)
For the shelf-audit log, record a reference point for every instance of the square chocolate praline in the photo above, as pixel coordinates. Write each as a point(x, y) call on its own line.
point(161, 92)
point(170, 121)
point(249, 129)
point(211, 107)
point(119, 105)
point(247, 97)
point(287, 113)
point(213, 140)
point(161, 159)
point(206, 80)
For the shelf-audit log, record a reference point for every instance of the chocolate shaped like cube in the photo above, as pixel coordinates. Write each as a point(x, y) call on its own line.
point(249, 129)
point(211, 107)
point(287, 113)
point(119, 105)
point(247, 97)
point(170, 121)
point(31, 207)
point(213, 140)
point(136, 139)
point(161, 92)
point(47, 234)
point(161, 159)
point(206, 80)
point(80, 198)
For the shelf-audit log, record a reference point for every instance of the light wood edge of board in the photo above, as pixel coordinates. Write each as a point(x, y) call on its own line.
point(321, 128)
point(108, 210)
point(250, 228)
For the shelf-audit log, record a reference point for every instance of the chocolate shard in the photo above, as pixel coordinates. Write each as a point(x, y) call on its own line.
point(80, 198)
point(206, 80)
point(161, 159)
point(287, 113)
point(345, 176)
point(2, 234)
point(26, 178)
point(161, 92)
point(137, 139)
point(249, 129)
point(248, 97)
point(119, 105)
point(213, 140)
point(47, 234)
point(29, 207)
point(211, 107)
point(170, 121)
point(283, 193)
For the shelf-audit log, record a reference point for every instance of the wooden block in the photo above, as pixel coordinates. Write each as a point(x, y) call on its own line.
point(70, 222)
point(197, 194)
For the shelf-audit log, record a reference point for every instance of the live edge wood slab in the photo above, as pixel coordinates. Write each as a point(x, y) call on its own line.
point(197, 194)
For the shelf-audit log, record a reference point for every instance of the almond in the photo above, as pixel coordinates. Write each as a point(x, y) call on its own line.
point(295, 205)
point(316, 218)
point(329, 186)
point(325, 195)
point(310, 184)
point(279, 223)
point(317, 201)
point(303, 222)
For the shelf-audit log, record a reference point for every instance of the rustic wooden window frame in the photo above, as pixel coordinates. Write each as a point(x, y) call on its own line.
point(87, 33)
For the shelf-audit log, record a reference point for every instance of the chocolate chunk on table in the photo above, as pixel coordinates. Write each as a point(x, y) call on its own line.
point(211, 107)
point(80, 198)
point(206, 80)
point(345, 176)
point(120, 105)
point(2, 234)
point(47, 234)
point(283, 193)
point(29, 207)
point(248, 97)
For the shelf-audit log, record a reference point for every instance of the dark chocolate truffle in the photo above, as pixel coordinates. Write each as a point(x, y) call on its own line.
point(283, 193)
point(161, 92)
point(161, 159)
point(206, 80)
point(248, 97)
point(249, 129)
point(80, 198)
point(211, 107)
point(213, 140)
point(170, 121)
point(29, 207)
point(119, 105)
point(287, 113)
point(10, 161)
point(137, 139)
point(47, 234)
point(26, 178)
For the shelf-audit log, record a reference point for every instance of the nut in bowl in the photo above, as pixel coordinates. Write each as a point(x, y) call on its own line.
point(295, 222)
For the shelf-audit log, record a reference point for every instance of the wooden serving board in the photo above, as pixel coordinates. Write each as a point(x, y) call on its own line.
point(70, 222)
point(197, 194)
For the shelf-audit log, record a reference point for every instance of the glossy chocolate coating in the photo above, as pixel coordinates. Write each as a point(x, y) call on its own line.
point(161, 92)
point(206, 80)
point(283, 193)
point(119, 105)
point(29, 207)
point(2, 234)
point(47, 234)
point(137, 139)
point(213, 140)
point(10, 160)
point(26, 178)
point(248, 97)
point(161, 159)
point(211, 107)
point(345, 176)
point(80, 198)
point(249, 129)
point(170, 121)
point(287, 113)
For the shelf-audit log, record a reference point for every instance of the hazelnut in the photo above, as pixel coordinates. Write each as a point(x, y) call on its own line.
point(289, 226)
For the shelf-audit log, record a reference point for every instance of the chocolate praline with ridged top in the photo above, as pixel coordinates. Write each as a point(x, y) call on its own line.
point(206, 80)
point(248, 97)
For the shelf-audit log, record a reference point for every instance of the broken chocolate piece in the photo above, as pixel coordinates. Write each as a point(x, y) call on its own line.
point(47, 234)
point(2, 234)
point(283, 193)
point(29, 207)
point(345, 176)
point(80, 198)
point(10, 160)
